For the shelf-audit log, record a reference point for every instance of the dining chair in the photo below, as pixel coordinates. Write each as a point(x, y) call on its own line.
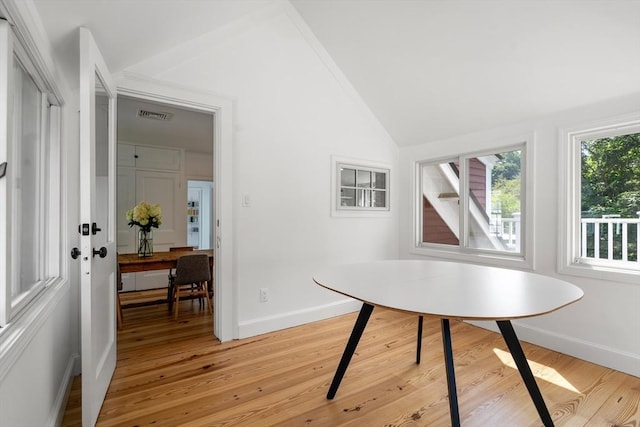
point(192, 274)
point(171, 276)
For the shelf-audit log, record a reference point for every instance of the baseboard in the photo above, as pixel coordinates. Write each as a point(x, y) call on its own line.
point(57, 411)
point(263, 325)
point(591, 352)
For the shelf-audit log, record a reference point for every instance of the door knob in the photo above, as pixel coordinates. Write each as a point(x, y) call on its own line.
point(102, 252)
point(75, 253)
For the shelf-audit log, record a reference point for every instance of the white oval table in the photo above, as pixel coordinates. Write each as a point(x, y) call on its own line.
point(449, 290)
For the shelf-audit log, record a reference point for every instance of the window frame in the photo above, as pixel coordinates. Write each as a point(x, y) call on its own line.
point(570, 259)
point(48, 217)
point(336, 185)
point(523, 259)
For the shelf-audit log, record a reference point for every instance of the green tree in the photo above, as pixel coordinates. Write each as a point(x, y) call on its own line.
point(508, 167)
point(506, 194)
point(505, 178)
point(611, 176)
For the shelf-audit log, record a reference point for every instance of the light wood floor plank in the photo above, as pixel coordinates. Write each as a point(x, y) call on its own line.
point(172, 373)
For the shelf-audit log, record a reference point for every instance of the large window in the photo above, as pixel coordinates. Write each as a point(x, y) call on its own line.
point(29, 217)
point(603, 203)
point(473, 203)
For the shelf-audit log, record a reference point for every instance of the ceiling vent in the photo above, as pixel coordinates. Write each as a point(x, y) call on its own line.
point(155, 115)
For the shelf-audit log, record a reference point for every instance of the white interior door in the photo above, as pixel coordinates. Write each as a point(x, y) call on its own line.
point(98, 228)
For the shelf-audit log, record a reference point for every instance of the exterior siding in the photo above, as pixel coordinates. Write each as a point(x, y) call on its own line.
point(434, 229)
point(478, 182)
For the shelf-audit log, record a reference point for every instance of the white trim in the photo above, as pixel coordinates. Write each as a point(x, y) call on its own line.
point(601, 355)
point(48, 170)
point(17, 335)
point(360, 212)
point(62, 396)
point(569, 198)
point(261, 325)
point(29, 32)
point(225, 316)
point(6, 124)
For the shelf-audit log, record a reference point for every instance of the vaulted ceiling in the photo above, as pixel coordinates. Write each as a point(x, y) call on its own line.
point(427, 69)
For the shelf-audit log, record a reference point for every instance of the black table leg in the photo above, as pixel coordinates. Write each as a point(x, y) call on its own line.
point(451, 375)
point(517, 353)
point(356, 333)
point(419, 345)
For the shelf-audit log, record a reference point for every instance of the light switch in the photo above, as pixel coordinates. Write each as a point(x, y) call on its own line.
point(246, 200)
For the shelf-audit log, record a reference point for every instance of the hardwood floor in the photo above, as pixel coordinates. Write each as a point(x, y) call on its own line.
point(175, 373)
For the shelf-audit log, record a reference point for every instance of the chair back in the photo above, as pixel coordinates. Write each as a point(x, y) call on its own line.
point(192, 269)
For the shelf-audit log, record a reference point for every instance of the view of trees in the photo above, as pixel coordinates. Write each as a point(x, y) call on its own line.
point(611, 176)
point(611, 186)
point(505, 178)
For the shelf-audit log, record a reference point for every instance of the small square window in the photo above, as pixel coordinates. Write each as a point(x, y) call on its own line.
point(361, 188)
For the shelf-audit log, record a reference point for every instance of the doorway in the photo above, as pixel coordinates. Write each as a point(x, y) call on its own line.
point(225, 299)
point(200, 214)
point(160, 146)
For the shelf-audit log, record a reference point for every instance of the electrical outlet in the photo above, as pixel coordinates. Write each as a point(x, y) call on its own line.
point(264, 294)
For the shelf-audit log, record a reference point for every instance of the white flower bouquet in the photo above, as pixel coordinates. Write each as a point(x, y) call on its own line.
point(145, 216)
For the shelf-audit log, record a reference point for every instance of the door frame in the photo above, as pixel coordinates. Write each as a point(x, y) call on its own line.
point(225, 324)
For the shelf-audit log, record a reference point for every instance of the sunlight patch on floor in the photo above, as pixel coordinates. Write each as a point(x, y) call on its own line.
point(539, 370)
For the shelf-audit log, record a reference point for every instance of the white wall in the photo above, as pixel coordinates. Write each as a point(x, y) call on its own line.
point(603, 326)
point(291, 114)
point(198, 165)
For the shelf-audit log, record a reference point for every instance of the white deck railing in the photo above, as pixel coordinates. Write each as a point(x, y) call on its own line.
point(510, 231)
point(600, 232)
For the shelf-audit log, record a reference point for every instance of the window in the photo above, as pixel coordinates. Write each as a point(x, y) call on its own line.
point(602, 212)
point(360, 187)
point(473, 203)
point(29, 220)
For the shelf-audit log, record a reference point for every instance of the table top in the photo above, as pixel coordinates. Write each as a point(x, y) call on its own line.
point(450, 289)
point(158, 261)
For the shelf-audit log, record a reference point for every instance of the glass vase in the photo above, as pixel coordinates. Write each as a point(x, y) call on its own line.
point(145, 242)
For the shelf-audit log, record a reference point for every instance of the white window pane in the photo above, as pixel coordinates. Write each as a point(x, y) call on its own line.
point(364, 198)
point(379, 180)
point(379, 199)
point(347, 177)
point(610, 199)
point(494, 184)
point(348, 197)
point(27, 187)
point(361, 188)
point(440, 209)
point(364, 179)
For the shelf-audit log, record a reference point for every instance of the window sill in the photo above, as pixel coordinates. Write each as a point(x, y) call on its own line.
point(610, 274)
point(16, 335)
point(494, 260)
point(360, 213)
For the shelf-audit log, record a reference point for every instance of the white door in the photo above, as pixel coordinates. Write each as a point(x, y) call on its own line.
point(98, 229)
